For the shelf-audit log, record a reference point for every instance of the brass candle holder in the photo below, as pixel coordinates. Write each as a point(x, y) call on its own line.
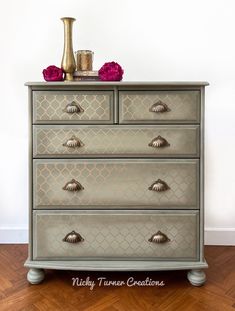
point(84, 60)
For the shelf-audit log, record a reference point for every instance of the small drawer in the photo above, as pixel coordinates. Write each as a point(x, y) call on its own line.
point(160, 106)
point(130, 184)
point(135, 141)
point(72, 107)
point(115, 235)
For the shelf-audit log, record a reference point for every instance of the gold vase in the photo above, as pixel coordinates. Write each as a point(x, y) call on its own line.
point(68, 61)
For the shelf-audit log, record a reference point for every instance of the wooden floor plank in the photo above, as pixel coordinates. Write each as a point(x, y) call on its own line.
point(56, 293)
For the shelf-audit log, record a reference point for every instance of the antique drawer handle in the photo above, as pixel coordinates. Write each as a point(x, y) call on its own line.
point(73, 185)
point(159, 142)
point(159, 238)
point(73, 142)
point(73, 237)
point(159, 107)
point(73, 108)
point(159, 186)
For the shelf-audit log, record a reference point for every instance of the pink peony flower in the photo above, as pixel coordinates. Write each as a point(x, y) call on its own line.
point(111, 71)
point(53, 73)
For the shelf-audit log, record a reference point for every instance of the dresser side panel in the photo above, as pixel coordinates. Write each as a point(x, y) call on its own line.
point(30, 173)
point(202, 173)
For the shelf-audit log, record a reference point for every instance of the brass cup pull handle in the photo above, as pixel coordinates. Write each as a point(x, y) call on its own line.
point(159, 238)
point(73, 237)
point(73, 108)
point(73, 142)
point(159, 107)
point(159, 186)
point(159, 142)
point(72, 186)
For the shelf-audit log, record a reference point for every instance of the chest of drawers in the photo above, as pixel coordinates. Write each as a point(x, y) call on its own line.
point(116, 177)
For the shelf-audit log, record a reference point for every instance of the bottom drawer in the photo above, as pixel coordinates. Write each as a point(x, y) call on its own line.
point(115, 235)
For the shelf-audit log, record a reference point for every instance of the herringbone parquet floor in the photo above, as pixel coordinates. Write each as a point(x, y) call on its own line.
point(57, 292)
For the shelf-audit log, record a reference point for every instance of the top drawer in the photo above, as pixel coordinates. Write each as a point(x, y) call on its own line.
point(159, 106)
point(72, 107)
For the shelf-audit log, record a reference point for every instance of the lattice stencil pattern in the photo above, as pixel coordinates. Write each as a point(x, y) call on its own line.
point(184, 106)
point(115, 235)
point(115, 140)
point(49, 106)
point(114, 183)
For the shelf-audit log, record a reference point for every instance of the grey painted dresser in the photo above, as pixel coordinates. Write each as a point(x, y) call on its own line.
point(116, 177)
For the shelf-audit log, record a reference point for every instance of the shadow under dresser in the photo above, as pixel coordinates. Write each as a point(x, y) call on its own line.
point(116, 177)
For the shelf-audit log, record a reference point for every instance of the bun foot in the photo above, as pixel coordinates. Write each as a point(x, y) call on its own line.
point(35, 276)
point(196, 277)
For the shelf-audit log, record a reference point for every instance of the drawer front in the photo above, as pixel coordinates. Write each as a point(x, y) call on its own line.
point(160, 106)
point(73, 107)
point(115, 234)
point(80, 141)
point(106, 183)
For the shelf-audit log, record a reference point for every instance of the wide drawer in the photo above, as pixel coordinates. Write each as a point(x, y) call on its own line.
point(106, 183)
point(73, 107)
point(115, 234)
point(135, 141)
point(160, 106)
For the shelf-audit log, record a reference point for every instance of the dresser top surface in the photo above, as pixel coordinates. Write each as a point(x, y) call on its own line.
point(118, 83)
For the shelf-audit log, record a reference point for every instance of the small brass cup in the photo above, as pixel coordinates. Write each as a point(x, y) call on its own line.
point(84, 60)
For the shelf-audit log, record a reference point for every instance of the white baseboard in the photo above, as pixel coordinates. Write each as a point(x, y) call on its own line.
point(213, 236)
point(9, 235)
point(220, 236)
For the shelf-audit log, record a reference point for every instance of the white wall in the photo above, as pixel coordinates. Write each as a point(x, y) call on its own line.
point(152, 40)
